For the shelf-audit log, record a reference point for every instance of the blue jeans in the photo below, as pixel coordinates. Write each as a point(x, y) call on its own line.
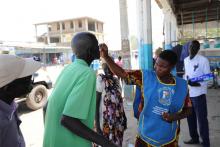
point(199, 112)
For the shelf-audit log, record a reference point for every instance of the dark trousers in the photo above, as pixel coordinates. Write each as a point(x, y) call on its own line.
point(199, 113)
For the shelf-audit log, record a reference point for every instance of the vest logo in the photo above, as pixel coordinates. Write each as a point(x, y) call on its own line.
point(165, 95)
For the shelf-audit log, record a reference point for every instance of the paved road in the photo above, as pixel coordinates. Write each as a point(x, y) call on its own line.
point(32, 121)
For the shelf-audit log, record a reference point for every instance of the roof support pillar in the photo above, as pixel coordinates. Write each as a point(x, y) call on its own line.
point(170, 28)
point(145, 34)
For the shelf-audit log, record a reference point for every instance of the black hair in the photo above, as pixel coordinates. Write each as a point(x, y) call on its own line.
point(195, 44)
point(169, 56)
point(119, 58)
point(83, 44)
point(36, 58)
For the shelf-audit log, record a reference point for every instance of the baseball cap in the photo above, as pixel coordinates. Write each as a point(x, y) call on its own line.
point(13, 67)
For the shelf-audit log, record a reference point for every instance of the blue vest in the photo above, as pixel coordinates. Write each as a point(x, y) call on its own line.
point(136, 102)
point(159, 98)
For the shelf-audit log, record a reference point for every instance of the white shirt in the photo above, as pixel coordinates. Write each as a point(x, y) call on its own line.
point(196, 67)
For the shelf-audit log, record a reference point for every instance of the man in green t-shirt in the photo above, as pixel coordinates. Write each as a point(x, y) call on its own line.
point(72, 104)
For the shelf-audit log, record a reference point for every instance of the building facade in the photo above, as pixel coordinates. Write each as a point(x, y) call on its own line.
point(61, 32)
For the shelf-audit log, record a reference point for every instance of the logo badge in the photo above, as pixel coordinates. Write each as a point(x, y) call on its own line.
point(165, 95)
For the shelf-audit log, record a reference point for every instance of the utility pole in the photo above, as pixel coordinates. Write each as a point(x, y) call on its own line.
point(125, 45)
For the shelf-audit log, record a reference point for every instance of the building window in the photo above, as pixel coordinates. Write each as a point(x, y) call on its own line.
point(54, 39)
point(91, 26)
point(63, 26)
point(71, 25)
point(101, 28)
point(49, 28)
point(58, 26)
point(80, 24)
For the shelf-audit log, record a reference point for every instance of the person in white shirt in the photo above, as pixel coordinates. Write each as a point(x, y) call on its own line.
point(197, 65)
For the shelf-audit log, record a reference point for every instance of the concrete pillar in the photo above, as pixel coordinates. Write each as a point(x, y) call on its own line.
point(74, 26)
point(171, 28)
point(145, 34)
point(36, 32)
point(174, 29)
point(86, 24)
point(96, 27)
point(127, 91)
point(125, 45)
point(123, 19)
point(170, 31)
point(44, 56)
point(61, 32)
point(48, 36)
point(168, 23)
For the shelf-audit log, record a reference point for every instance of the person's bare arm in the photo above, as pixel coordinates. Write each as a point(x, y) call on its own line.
point(177, 116)
point(77, 127)
point(186, 111)
point(97, 117)
point(117, 70)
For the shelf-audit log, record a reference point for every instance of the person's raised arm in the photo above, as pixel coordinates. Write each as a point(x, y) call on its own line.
point(116, 69)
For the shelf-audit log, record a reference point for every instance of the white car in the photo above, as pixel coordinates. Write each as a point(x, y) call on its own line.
point(37, 98)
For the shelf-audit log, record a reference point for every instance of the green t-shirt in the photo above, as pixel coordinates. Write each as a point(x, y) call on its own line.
point(74, 95)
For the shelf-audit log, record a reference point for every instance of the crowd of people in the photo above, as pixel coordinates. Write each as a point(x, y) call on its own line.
point(85, 109)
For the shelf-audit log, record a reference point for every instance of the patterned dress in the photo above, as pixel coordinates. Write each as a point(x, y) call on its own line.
point(114, 120)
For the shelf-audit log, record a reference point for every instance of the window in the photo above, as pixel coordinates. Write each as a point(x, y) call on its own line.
point(63, 26)
point(49, 28)
point(80, 24)
point(91, 26)
point(101, 27)
point(54, 39)
point(71, 25)
point(58, 26)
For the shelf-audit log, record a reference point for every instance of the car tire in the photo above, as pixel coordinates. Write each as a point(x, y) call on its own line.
point(37, 98)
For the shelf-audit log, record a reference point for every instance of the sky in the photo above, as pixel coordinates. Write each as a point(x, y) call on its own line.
point(18, 17)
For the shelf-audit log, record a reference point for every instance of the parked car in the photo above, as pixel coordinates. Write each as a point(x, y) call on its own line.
point(37, 98)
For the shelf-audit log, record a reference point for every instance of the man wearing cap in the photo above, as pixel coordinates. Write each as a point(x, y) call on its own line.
point(15, 81)
point(71, 107)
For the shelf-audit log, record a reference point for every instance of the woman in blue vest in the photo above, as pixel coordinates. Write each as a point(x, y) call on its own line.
point(165, 96)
